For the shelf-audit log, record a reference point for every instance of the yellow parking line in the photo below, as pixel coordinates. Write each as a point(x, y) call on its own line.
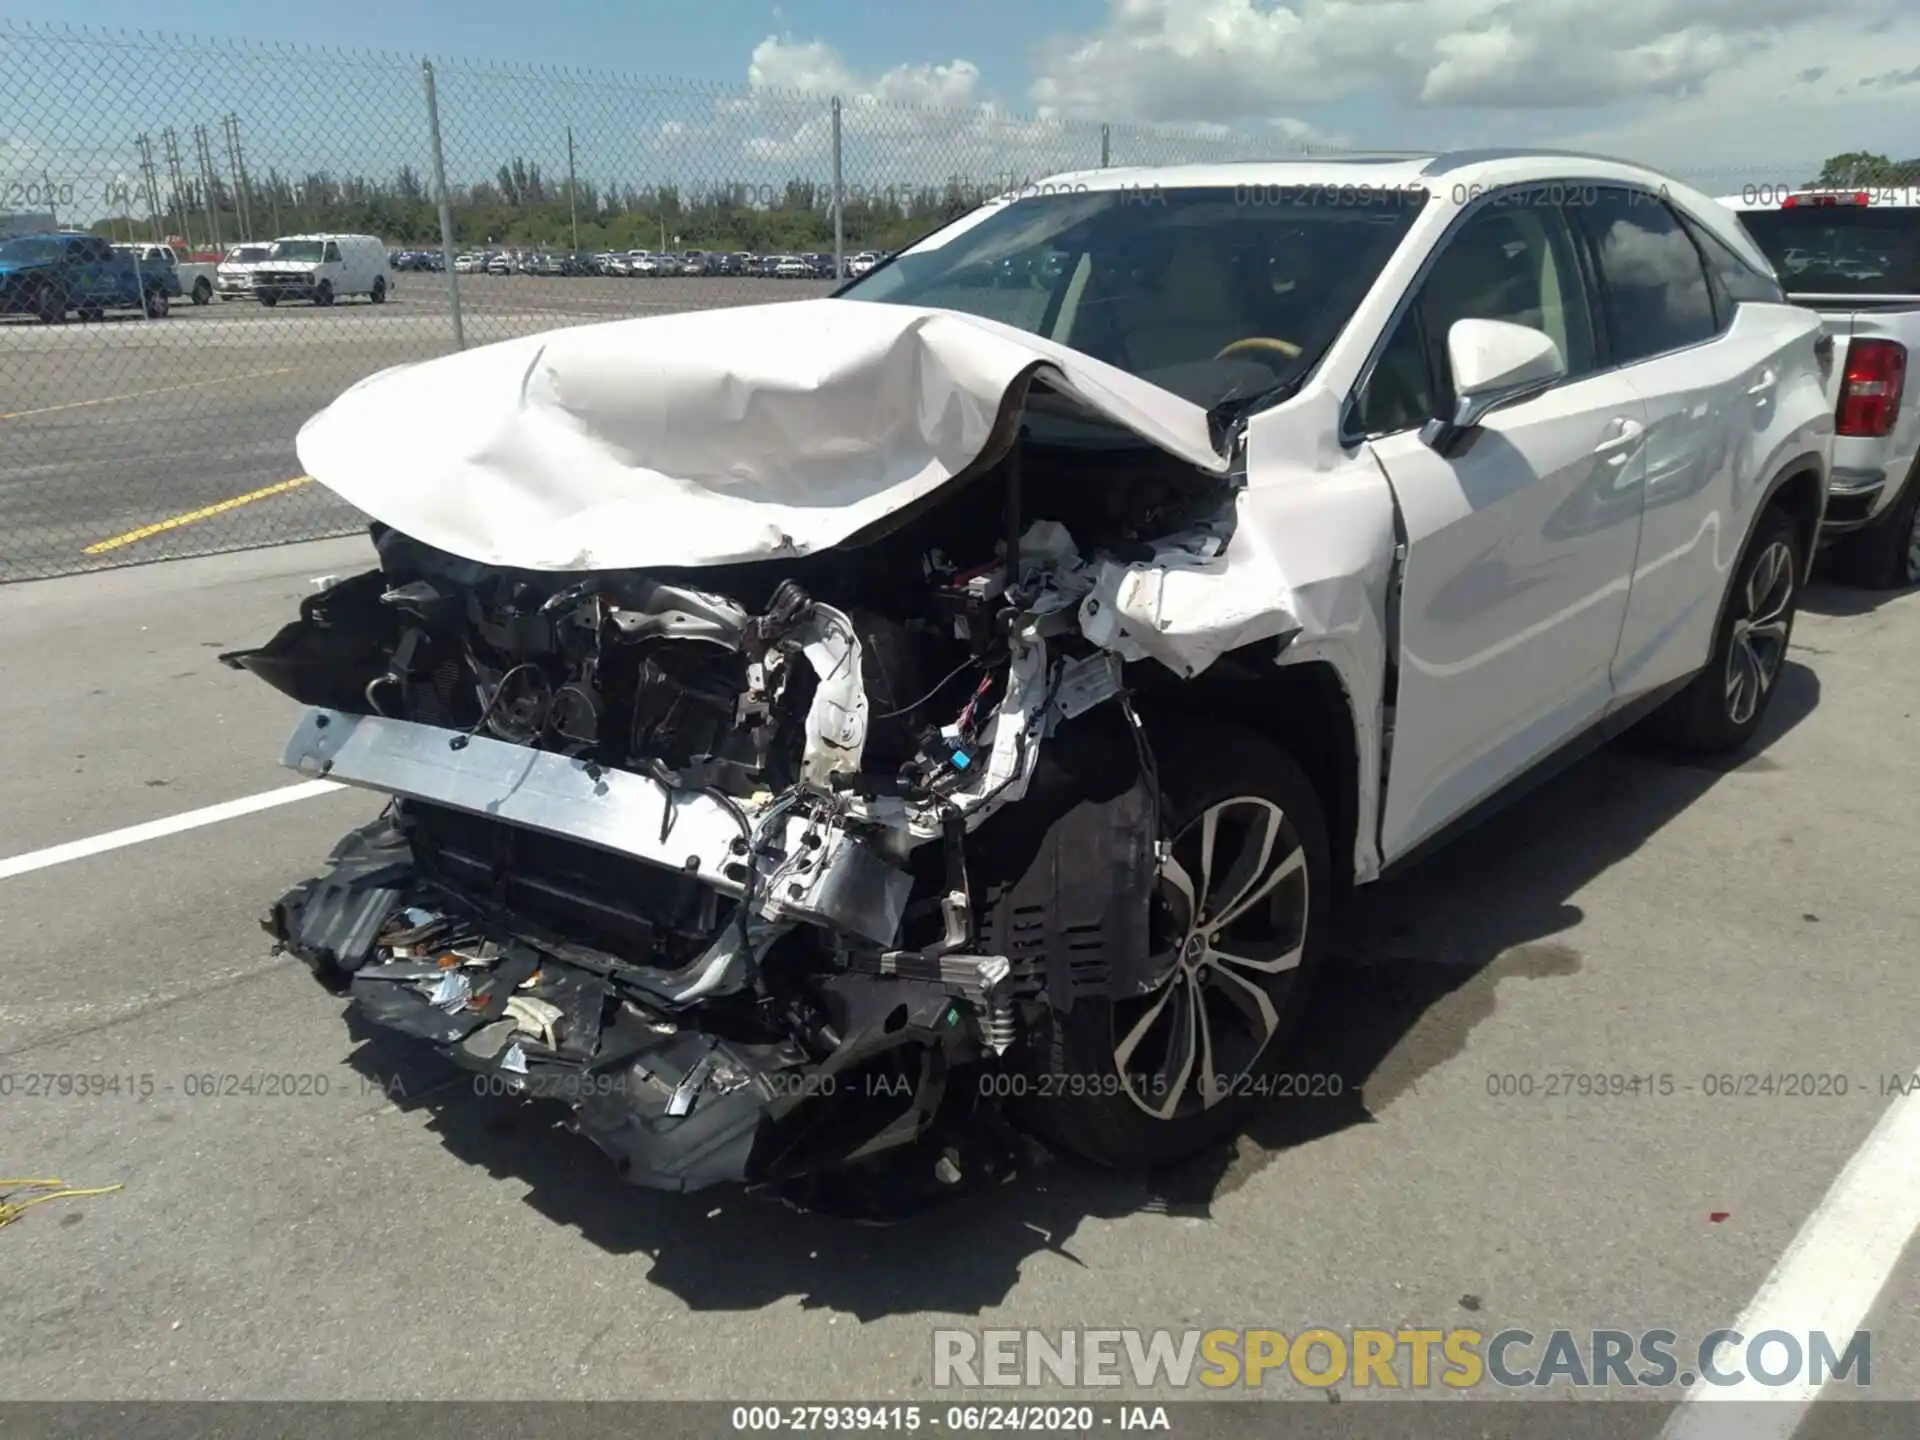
point(177, 521)
point(142, 394)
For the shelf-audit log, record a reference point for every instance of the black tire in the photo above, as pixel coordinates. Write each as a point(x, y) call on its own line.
point(154, 303)
point(50, 303)
point(202, 291)
point(323, 293)
point(268, 300)
point(1725, 703)
point(1093, 1100)
point(379, 292)
point(1886, 555)
point(90, 316)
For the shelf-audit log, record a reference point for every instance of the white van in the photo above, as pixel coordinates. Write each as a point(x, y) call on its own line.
point(323, 268)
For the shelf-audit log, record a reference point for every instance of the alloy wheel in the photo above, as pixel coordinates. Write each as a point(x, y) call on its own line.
point(1229, 931)
point(1759, 639)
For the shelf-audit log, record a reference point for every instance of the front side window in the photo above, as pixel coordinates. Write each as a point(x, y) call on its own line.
point(1218, 294)
point(1656, 289)
point(303, 250)
point(1513, 261)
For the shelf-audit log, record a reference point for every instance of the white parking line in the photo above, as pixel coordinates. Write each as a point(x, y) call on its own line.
point(1828, 1280)
point(159, 829)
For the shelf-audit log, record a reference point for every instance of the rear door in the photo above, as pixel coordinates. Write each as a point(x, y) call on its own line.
point(1711, 347)
point(1520, 550)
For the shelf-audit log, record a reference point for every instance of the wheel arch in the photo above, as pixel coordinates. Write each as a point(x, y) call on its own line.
point(1303, 708)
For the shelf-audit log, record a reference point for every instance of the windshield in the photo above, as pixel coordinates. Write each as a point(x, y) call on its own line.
point(1841, 249)
point(246, 254)
point(30, 249)
point(1162, 283)
point(298, 249)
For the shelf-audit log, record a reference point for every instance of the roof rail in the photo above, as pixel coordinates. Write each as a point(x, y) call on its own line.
point(1460, 159)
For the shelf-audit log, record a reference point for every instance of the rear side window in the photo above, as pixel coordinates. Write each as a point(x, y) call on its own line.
point(99, 251)
point(1655, 285)
point(1733, 278)
point(333, 251)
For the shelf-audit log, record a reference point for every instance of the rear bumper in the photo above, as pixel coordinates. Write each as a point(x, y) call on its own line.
point(1854, 496)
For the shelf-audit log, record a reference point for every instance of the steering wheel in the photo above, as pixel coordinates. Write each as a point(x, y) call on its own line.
point(1259, 342)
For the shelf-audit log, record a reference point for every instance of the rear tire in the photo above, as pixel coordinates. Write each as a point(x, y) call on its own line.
point(1726, 701)
point(50, 304)
point(202, 291)
point(378, 295)
point(1886, 556)
point(268, 300)
point(155, 304)
point(1149, 1079)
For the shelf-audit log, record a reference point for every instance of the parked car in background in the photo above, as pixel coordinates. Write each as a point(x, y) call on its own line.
point(616, 265)
point(469, 263)
point(501, 264)
point(696, 262)
point(792, 267)
point(198, 278)
point(233, 277)
point(1322, 532)
point(643, 263)
point(1853, 257)
point(52, 275)
point(322, 269)
point(861, 263)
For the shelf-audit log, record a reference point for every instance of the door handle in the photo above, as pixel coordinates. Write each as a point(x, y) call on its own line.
point(1617, 447)
point(1763, 387)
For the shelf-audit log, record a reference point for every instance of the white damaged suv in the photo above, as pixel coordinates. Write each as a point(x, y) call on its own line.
point(820, 731)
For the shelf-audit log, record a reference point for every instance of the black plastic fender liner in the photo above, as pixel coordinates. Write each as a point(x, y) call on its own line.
point(332, 921)
point(341, 643)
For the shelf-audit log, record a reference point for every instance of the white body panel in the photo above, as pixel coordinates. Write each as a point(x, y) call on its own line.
point(1519, 555)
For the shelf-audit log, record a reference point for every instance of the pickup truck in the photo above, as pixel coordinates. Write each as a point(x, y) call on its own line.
point(199, 279)
point(51, 275)
point(1853, 256)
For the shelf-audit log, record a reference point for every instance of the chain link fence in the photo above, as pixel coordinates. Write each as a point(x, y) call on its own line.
point(153, 378)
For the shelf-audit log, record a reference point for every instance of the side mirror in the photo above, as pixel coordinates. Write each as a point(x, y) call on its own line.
point(1495, 363)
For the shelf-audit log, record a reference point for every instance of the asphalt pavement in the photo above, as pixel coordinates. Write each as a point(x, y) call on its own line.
point(126, 439)
point(348, 1237)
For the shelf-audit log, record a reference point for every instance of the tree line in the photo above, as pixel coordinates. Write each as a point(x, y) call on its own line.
point(523, 205)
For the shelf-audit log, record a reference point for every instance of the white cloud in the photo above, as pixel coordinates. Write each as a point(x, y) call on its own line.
point(925, 125)
point(1234, 60)
point(1695, 75)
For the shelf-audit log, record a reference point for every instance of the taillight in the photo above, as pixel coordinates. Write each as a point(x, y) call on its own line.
point(1870, 388)
point(1859, 197)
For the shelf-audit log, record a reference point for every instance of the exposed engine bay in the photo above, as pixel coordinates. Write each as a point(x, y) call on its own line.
point(753, 866)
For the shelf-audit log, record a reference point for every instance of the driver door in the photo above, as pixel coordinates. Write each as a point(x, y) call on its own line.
point(1520, 549)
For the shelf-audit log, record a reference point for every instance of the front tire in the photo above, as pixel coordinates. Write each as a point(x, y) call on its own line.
point(1238, 933)
point(155, 304)
point(1725, 703)
point(1886, 556)
point(323, 293)
point(202, 291)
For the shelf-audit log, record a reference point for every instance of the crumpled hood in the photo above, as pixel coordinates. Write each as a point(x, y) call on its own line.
point(702, 438)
